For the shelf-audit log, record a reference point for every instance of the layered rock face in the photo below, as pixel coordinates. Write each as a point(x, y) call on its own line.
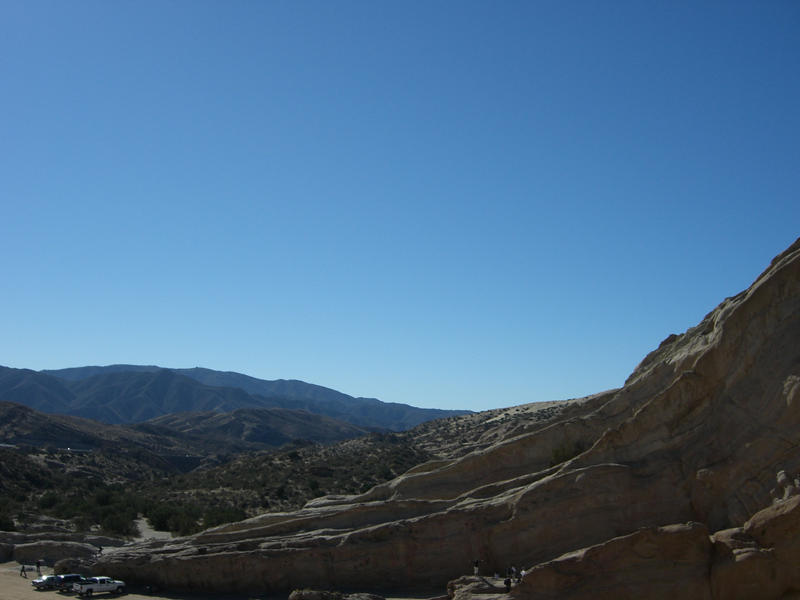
point(671, 478)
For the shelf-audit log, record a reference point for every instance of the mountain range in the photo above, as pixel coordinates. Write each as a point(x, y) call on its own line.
point(125, 394)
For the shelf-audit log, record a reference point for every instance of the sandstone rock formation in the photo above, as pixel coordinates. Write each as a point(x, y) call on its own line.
point(683, 561)
point(52, 546)
point(670, 478)
point(50, 552)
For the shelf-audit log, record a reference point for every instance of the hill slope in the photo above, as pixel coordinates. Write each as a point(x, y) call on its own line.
point(196, 434)
point(265, 427)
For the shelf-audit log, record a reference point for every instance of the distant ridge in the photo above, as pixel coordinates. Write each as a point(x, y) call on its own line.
point(78, 373)
point(118, 394)
point(197, 433)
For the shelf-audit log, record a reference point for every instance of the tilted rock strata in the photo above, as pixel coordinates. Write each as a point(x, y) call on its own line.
point(752, 562)
point(655, 563)
point(50, 552)
point(697, 434)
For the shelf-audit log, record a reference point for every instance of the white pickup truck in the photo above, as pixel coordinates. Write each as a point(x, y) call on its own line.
point(95, 585)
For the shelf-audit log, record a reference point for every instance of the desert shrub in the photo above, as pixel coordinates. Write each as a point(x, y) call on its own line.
point(179, 519)
point(103, 497)
point(218, 516)
point(159, 516)
point(48, 500)
point(119, 524)
point(82, 524)
point(565, 451)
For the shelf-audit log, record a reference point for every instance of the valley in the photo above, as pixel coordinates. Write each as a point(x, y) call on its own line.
point(684, 482)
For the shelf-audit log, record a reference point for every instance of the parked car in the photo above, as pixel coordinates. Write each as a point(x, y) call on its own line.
point(95, 585)
point(46, 582)
point(65, 582)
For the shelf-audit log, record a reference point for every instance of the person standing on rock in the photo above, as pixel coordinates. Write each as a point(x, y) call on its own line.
point(475, 567)
point(22, 572)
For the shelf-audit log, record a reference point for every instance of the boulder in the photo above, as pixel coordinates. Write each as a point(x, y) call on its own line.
point(758, 560)
point(467, 587)
point(72, 565)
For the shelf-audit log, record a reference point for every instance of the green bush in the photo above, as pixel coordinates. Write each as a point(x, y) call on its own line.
point(218, 516)
point(565, 451)
point(48, 500)
point(119, 524)
point(182, 520)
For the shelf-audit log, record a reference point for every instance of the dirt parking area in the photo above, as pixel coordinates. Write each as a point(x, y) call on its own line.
point(15, 587)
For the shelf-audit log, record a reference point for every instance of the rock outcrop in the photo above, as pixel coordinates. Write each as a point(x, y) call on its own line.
point(654, 562)
point(50, 552)
point(52, 546)
point(679, 561)
point(671, 478)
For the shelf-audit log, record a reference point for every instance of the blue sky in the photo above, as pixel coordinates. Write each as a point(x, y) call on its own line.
point(445, 204)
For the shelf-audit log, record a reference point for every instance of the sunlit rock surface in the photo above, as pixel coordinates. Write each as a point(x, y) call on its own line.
point(687, 473)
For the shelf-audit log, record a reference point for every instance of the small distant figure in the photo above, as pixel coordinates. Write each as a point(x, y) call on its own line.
point(507, 583)
point(22, 572)
point(475, 567)
point(521, 575)
point(39, 567)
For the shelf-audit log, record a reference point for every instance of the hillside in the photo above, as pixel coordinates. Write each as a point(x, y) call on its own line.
point(184, 470)
point(178, 434)
point(196, 462)
point(258, 427)
point(682, 483)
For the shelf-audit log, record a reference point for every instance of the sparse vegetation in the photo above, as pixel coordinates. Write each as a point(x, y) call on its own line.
point(566, 451)
point(107, 488)
point(85, 488)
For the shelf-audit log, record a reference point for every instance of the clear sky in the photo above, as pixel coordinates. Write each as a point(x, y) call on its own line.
point(448, 204)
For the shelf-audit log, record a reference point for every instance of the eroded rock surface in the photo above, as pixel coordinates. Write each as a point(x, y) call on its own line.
point(655, 563)
point(670, 478)
point(50, 552)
